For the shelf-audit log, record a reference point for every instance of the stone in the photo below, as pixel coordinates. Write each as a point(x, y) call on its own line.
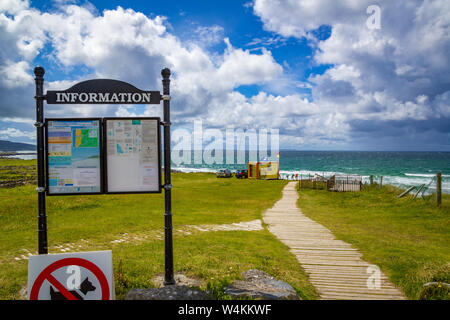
point(261, 286)
point(180, 279)
point(173, 292)
point(23, 293)
point(435, 291)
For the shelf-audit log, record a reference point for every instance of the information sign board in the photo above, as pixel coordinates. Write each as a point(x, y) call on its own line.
point(133, 163)
point(73, 156)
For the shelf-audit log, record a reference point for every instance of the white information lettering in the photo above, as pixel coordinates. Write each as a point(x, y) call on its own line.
point(137, 97)
point(84, 97)
point(146, 97)
point(99, 97)
point(103, 97)
point(92, 97)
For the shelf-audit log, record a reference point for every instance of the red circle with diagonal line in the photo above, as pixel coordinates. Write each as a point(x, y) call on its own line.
point(46, 274)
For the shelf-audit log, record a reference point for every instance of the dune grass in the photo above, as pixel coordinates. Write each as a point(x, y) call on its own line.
point(408, 239)
point(215, 258)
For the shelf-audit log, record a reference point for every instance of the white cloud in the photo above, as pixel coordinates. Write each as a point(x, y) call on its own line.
point(15, 74)
point(397, 73)
point(209, 35)
point(16, 133)
point(240, 67)
point(13, 6)
point(293, 18)
point(130, 46)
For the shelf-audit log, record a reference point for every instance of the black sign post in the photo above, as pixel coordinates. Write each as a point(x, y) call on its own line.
point(169, 279)
point(104, 91)
point(42, 218)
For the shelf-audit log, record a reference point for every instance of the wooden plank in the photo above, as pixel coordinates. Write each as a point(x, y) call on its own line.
point(318, 243)
point(326, 253)
point(321, 248)
point(334, 263)
point(389, 294)
point(406, 192)
point(348, 284)
point(334, 269)
point(356, 289)
point(327, 258)
point(438, 188)
point(342, 277)
point(356, 297)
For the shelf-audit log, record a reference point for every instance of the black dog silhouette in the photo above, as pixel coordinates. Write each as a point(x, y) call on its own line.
point(85, 287)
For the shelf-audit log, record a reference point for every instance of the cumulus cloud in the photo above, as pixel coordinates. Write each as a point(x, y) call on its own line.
point(16, 133)
point(396, 74)
point(126, 45)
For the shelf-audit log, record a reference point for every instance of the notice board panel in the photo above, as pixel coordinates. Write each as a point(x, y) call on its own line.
point(133, 155)
point(73, 156)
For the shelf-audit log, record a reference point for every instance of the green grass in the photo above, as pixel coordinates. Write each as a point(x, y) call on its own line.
point(217, 258)
point(15, 172)
point(16, 162)
point(213, 257)
point(408, 239)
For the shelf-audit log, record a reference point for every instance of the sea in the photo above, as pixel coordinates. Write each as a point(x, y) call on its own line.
point(400, 169)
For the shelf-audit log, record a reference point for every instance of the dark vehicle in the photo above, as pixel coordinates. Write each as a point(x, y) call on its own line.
point(241, 174)
point(224, 173)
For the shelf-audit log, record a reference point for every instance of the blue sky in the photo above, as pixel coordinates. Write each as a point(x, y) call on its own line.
point(316, 71)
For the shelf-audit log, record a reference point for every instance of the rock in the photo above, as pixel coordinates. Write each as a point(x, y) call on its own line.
point(435, 291)
point(261, 286)
point(23, 293)
point(437, 285)
point(168, 293)
point(180, 280)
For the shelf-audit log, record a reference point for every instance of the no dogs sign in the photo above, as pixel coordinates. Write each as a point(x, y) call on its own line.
point(71, 276)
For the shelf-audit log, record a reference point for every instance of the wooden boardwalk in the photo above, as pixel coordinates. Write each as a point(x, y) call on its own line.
point(334, 267)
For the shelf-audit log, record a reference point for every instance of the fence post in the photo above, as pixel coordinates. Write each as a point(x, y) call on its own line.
point(381, 182)
point(371, 179)
point(438, 189)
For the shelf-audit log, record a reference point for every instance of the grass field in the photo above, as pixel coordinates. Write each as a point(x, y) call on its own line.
point(85, 223)
point(408, 239)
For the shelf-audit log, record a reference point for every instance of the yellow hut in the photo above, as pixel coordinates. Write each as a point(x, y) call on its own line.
point(263, 169)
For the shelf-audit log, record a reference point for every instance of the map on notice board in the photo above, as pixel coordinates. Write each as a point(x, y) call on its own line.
point(73, 155)
point(132, 154)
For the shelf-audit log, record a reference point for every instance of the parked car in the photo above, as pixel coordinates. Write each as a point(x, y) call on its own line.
point(241, 174)
point(224, 173)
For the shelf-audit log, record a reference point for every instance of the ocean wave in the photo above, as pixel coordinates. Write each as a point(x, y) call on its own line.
point(428, 175)
point(192, 170)
point(309, 172)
